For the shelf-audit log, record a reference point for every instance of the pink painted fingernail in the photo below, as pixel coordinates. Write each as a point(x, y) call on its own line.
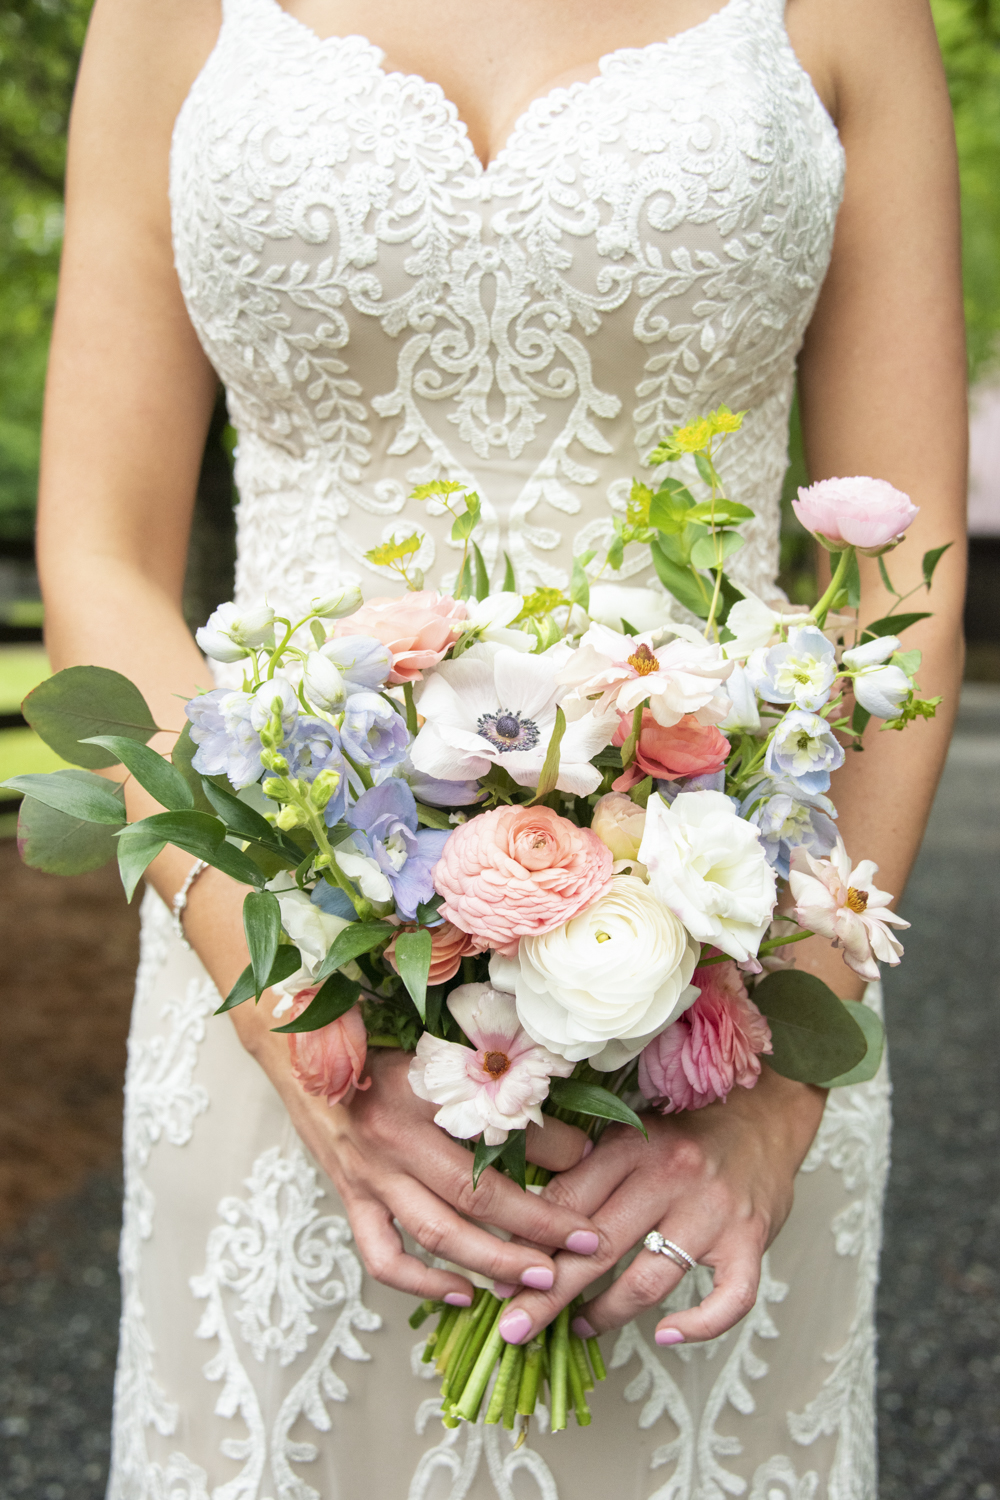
point(457, 1299)
point(582, 1242)
point(539, 1277)
point(515, 1326)
point(582, 1328)
point(505, 1289)
point(587, 1148)
point(669, 1336)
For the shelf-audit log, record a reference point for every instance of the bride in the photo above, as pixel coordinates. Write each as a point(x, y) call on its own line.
point(508, 244)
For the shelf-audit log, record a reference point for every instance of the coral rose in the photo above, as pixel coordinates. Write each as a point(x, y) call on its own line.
point(418, 629)
point(329, 1062)
point(715, 1045)
point(519, 871)
point(864, 513)
point(449, 945)
point(685, 749)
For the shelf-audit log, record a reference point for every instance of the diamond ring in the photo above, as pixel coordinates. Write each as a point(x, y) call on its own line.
point(660, 1245)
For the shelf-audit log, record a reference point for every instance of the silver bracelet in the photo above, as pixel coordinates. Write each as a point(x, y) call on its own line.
point(180, 901)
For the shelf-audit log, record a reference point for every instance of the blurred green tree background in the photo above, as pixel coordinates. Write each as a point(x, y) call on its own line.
point(40, 43)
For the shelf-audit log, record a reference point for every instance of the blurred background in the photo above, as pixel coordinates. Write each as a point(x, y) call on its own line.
point(70, 945)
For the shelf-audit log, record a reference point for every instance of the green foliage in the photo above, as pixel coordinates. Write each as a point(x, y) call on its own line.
point(82, 702)
point(333, 1000)
point(62, 843)
point(591, 1099)
point(815, 1036)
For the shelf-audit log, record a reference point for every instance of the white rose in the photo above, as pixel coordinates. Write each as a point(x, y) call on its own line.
point(708, 865)
point(604, 984)
point(310, 928)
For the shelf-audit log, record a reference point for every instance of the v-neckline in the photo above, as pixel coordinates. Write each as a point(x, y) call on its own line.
point(534, 106)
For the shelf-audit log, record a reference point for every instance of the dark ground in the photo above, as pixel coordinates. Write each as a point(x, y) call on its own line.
point(939, 1305)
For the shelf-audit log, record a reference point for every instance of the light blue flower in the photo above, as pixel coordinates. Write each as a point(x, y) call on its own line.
point(709, 781)
point(386, 820)
point(434, 792)
point(350, 664)
point(228, 744)
point(800, 670)
point(315, 747)
point(372, 732)
point(789, 818)
point(805, 749)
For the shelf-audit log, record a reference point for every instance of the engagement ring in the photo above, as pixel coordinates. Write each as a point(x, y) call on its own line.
point(660, 1245)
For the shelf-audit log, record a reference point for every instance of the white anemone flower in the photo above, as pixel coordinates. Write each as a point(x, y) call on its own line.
point(495, 706)
point(493, 1087)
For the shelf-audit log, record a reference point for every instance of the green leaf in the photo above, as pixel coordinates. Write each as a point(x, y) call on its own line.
point(704, 466)
point(485, 1157)
point(509, 580)
point(670, 507)
point(61, 844)
point(81, 794)
point(248, 823)
point(513, 1157)
point(333, 1000)
point(729, 595)
point(579, 583)
point(813, 1033)
point(871, 1024)
point(886, 580)
point(591, 1099)
point(413, 960)
point(138, 846)
point(907, 661)
point(930, 561)
point(152, 771)
point(181, 757)
point(616, 554)
point(852, 582)
point(465, 524)
point(706, 549)
point(859, 719)
point(550, 765)
point(482, 577)
point(388, 553)
point(680, 582)
point(262, 927)
point(318, 633)
point(434, 817)
point(723, 513)
point(427, 911)
point(203, 836)
point(351, 942)
point(286, 961)
point(84, 701)
point(891, 625)
point(640, 794)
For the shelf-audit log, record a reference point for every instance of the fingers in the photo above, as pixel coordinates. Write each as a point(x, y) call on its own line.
point(644, 1284)
point(558, 1146)
point(442, 1232)
point(381, 1249)
point(737, 1277)
point(585, 1187)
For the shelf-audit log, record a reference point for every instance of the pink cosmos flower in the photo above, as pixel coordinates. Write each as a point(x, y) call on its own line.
point(864, 513)
point(497, 1084)
point(685, 749)
point(518, 871)
point(845, 906)
point(418, 629)
point(715, 1045)
point(329, 1062)
point(449, 945)
point(684, 677)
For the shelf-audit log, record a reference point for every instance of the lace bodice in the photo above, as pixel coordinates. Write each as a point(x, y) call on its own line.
point(384, 310)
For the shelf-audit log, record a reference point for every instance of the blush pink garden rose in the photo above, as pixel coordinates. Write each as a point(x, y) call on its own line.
point(519, 871)
point(449, 945)
point(714, 1046)
point(685, 749)
point(418, 629)
point(864, 513)
point(847, 907)
point(329, 1063)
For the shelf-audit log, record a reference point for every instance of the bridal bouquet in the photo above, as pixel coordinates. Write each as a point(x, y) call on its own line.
point(558, 847)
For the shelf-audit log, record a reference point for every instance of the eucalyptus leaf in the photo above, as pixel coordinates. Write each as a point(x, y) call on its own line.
point(871, 1024)
point(351, 942)
point(61, 844)
point(413, 961)
point(262, 927)
point(152, 771)
point(814, 1035)
point(80, 794)
point(591, 1099)
point(286, 961)
point(333, 1000)
point(83, 701)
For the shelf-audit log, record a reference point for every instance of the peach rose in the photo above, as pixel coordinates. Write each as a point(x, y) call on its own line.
point(418, 629)
point(715, 1045)
point(329, 1062)
point(519, 871)
point(449, 945)
point(685, 749)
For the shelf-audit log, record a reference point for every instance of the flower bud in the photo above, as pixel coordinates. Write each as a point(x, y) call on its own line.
point(335, 605)
point(871, 654)
point(323, 788)
point(231, 633)
point(323, 681)
point(288, 818)
point(882, 690)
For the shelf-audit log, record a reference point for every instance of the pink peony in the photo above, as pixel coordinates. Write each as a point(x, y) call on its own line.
point(712, 1047)
point(418, 629)
point(846, 906)
point(864, 513)
point(519, 871)
point(685, 749)
point(329, 1062)
point(449, 945)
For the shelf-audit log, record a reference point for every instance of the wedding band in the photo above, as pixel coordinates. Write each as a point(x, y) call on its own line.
point(660, 1245)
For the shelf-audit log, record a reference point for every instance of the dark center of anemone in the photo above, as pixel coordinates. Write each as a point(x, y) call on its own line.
point(856, 900)
point(508, 731)
point(643, 661)
point(496, 1064)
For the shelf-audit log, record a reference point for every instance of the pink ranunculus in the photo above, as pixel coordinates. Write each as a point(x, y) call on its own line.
point(864, 513)
point(418, 629)
point(715, 1045)
point(847, 907)
point(519, 871)
point(685, 749)
point(449, 945)
point(329, 1062)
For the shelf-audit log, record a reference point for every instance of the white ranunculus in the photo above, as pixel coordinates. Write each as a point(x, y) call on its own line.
point(310, 928)
point(230, 633)
point(708, 865)
point(882, 690)
point(642, 609)
point(608, 981)
point(872, 653)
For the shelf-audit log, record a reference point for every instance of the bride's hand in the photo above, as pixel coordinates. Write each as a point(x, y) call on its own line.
point(716, 1181)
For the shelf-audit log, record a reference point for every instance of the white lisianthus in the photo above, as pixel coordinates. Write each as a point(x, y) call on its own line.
point(642, 609)
point(708, 865)
point(231, 633)
point(608, 981)
point(490, 620)
point(310, 928)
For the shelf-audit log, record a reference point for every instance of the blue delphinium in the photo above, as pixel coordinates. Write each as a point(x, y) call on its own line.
point(804, 749)
point(789, 818)
point(800, 670)
point(372, 732)
point(226, 728)
point(386, 820)
point(315, 747)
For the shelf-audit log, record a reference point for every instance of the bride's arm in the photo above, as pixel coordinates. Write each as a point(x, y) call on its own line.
point(129, 397)
point(882, 381)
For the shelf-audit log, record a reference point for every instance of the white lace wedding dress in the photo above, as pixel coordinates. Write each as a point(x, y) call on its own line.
point(385, 310)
